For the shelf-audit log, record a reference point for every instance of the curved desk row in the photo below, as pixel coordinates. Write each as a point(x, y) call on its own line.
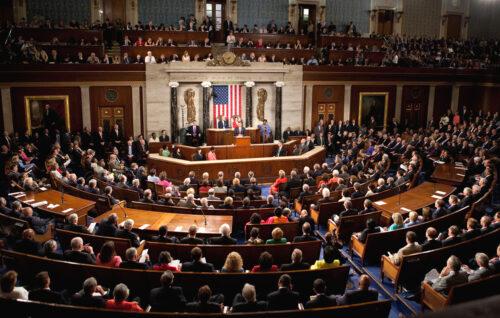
point(265, 168)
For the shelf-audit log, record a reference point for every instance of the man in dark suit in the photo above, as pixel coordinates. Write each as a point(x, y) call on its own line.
point(361, 295)
point(320, 299)
point(167, 297)
point(431, 243)
point(43, 293)
point(163, 236)
point(453, 236)
point(204, 305)
point(193, 134)
point(198, 156)
point(280, 151)
point(371, 227)
point(357, 193)
point(306, 218)
point(191, 237)
point(99, 141)
point(225, 238)
point(80, 253)
point(440, 209)
point(132, 260)
point(164, 137)
point(222, 123)
point(239, 131)
point(27, 243)
point(73, 225)
point(197, 265)
point(306, 234)
point(473, 229)
point(86, 298)
point(109, 226)
point(297, 263)
point(284, 298)
point(39, 225)
point(348, 209)
point(247, 301)
point(227, 27)
point(50, 118)
point(127, 233)
point(116, 137)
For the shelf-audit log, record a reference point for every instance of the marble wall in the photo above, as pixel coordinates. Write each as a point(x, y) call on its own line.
point(484, 19)
point(190, 75)
point(341, 12)
point(421, 18)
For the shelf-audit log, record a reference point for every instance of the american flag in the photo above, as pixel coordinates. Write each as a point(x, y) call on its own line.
point(227, 101)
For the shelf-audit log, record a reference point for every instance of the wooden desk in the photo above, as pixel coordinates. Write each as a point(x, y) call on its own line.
point(157, 51)
point(411, 200)
point(178, 223)
point(265, 168)
point(449, 173)
point(280, 54)
point(180, 37)
point(217, 136)
point(63, 35)
point(283, 39)
point(78, 205)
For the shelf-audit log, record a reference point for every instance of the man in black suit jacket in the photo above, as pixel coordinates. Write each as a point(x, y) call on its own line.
point(167, 297)
point(371, 227)
point(320, 299)
point(198, 156)
point(225, 238)
point(80, 253)
point(296, 263)
point(361, 295)
point(222, 123)
point(27, 243)
point(43, 293)
point(116, 137)
point(280, 151)
point(86, 298)
point(440, 209)
point(240, 130)
point(247, 301)
point(109, 226)
point(132, 260)
point(196, 265)
point(284, 298)
point(349, 210)
point(306, 218)
point(163, 236)
point(99, 141)
point(306, 234)
point(127, 233)
point(453, 236)
point(204, 305)
point(431, 243)
point(191, 237)
point(193, 134)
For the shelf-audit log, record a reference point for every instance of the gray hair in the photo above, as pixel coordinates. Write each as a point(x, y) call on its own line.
point(76, 243)
point(128, 224)
point(482, 259)
point(89, 285)
point(120, 292)
point(73, 218)
point(131, 253)
point(225, 230)
point(248, 292)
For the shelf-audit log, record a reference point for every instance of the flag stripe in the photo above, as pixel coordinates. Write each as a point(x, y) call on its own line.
point(227, 102)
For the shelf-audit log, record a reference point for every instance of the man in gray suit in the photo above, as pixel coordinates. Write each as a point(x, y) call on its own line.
point(411, 247)
point(483, 271)
point(450, 276)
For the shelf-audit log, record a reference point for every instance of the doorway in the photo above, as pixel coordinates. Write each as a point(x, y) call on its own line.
point(385, 22)
point(109, 116)
point(307, 19)
point(216, 11)
point(453, 26)
point(114, 10)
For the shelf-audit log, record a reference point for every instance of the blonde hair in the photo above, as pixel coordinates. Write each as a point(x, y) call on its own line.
point(234, 262)
point(277, 233)
point(190, 191)
point(281, 173)
point(397, 218)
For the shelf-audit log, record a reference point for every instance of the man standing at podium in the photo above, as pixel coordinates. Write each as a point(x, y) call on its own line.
point(222, 122)
point(240, 130)
point(193, 134)
point(265, 131)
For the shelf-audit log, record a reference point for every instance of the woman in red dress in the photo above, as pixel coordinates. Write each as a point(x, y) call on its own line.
point(281, 179)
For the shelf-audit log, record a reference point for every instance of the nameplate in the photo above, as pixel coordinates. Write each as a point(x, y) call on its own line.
point(52, 206)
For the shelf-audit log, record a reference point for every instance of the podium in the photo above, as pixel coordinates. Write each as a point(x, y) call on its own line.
point(217, 136)
point(242, 146)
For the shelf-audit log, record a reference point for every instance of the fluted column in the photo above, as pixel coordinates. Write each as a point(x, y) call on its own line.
point(173, 111)
point(206, 105)
point(278, 110)
point(249, 102)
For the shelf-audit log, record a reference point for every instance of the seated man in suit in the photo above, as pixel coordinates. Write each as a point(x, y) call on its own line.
point(92, 188)
point(148, 197)
point(191, 237)
point(73, 225)
point(473, 229)
point(349, 210)
point(108, 191)
point(440, 209)
point(198, 156)
point(239, 130)
point(27, 243)
point(483, 262)
point(222, 122)
point(80, 253)
point(367, 207)
point(280, 151)
point(127, 233)
point(454, 204)
point(163, 236)
point(204, 305)
point(42, 291)
point(167, 297)
point(453, 236)
point(225, 238)
point(86, 298)
point(371, 227)
point(361, 295)
point(431, 242)
point(39, 225)
point(306, 234)
point(411, 247)
point(357, 193)
point(297, 263)
point(320, 299)
point(109, 226)
point(197, 264)
point(284, 298)
point(132, 260)
point(450, 276)
point(247, 301)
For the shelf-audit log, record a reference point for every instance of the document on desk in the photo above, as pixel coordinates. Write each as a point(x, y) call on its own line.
point(67, 210)
point(441, 192)
point(380, 202)
point(436, 196)
point(39, 203)
point(52, 206)
point(143, 255)
point(144, 226)
point(29, 201)
point(405, 209)
point(178, 228)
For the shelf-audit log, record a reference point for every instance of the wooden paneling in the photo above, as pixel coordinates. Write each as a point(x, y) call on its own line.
point(324, 96)
point(357, 89)
point(442, 101)
point(123, 99)
point(414, 105)
point(477, 98)
point(18, 109)
point(1, 116)
point(453, 26)
point(6, 11)
point(179, 37)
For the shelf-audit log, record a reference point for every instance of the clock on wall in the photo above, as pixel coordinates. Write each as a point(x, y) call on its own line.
point(111, 95)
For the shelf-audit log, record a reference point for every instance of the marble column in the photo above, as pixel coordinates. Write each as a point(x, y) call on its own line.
point(278, 110)
point(455, 96)
point(249, 103)
point(7, 110)
point(86, 116)
point(347, 102)
point(206, 108)
point(173, 111)
point(399, 103)
point(430, 105)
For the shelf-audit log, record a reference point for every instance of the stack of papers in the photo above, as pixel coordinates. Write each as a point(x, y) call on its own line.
point(436, 196)
point(40, 203)
point(144, 226)
point(52, 206)
point(441, 192)
point(29, 201)
point(67, 210)
point(406, 209)
point(142, 259)
point(380, 203)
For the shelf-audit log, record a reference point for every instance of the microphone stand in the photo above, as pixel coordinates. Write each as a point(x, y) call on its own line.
point(62, 194)
point(204, 217)
point(123, 210)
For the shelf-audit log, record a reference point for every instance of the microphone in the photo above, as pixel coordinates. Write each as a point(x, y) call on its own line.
point(123, 210)
point(204, 216)
point(62, 193)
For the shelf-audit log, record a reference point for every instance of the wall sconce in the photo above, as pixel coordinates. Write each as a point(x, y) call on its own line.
point(233, 6)
point(444, 18)
point(399, 15)
point(200, 5)
point(322, 11)
point(466, 21)
point(373, 14)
